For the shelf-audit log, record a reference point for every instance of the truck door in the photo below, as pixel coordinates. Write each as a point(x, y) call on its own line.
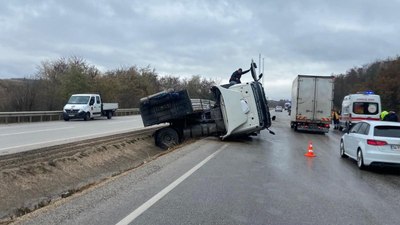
point(323, 99)
point(305, 101)
point(96, 108)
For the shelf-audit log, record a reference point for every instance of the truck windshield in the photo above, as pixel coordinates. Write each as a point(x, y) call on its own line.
point(78, 100)
point(366, 108)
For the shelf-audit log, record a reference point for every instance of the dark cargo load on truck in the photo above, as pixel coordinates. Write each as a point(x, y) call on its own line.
point(165, 107)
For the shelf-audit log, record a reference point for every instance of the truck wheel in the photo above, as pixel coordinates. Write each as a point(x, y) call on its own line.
point(109, 115)
point(166, 138)
point(66, 118)
point(87, 116)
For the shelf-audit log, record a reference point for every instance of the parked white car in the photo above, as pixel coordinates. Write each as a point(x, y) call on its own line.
point(372, 142)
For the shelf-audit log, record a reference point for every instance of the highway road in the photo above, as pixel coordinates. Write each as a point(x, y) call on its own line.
point(27, 136)
point(260, 180)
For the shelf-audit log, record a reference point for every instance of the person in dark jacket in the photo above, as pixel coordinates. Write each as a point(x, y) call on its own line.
point(383, 114)
point(392, 116)
point(235, 78)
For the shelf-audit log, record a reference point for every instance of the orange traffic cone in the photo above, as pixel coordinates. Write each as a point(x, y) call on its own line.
point(310, 152)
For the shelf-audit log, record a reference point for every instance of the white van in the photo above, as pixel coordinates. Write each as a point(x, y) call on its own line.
point(88, 106)
point(360, 106)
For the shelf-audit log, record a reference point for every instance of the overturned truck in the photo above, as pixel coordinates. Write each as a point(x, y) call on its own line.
point(237, 110)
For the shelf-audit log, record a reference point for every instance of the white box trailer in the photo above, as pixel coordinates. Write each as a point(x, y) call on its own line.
point(312, 98)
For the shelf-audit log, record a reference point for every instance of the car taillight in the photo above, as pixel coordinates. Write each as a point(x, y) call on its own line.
point(376, 142)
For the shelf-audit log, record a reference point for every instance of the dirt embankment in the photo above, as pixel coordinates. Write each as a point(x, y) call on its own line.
point(29, 181)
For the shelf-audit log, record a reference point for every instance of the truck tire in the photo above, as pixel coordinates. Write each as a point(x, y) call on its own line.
point(109, 114)
point(342, 150)
point(66, 118)
point(87, 116)
point(166, 138)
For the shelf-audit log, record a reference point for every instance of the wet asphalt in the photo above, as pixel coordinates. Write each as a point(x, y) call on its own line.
point(259, 180)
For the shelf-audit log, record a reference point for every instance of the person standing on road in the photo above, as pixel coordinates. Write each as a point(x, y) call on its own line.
point(383, 114)
point(335, 118)
point(235, 78)
point(391, 116)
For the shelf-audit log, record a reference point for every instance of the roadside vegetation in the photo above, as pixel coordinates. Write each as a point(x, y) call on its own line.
point(50, 87)
point(381, 77)
point(54, 81)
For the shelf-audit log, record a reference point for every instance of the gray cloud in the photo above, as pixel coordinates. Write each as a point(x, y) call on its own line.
point(207, 38)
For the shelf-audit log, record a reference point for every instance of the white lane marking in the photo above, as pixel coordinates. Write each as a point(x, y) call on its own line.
point(132, 216)
point(71, 139)
point(36, 131)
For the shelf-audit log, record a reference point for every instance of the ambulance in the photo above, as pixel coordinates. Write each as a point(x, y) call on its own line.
point(361, 106)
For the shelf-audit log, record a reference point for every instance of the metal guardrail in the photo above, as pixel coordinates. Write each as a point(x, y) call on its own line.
point(40, 116)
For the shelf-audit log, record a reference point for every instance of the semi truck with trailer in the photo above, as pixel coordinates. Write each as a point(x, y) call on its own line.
point(236, 110)
point(88, 106)
point(312, 98)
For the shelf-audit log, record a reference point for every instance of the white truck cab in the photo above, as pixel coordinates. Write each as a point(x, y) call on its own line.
point(237, 110)
point(87, 106)
point(244, 108)
point(360, 106)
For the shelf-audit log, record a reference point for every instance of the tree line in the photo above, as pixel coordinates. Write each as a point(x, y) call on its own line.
point(55, 81)
point(50, 87)
point(381, 77)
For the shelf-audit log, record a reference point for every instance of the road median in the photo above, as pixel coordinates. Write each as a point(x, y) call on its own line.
point(34, 179)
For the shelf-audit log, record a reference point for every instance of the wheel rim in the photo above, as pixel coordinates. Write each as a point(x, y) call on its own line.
point(359, 159)
point(167, 138)
point(341, 148)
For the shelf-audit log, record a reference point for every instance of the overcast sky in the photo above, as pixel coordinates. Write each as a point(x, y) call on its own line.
point(208, 38)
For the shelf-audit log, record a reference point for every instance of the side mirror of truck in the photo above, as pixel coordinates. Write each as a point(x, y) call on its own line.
point(259, 76)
